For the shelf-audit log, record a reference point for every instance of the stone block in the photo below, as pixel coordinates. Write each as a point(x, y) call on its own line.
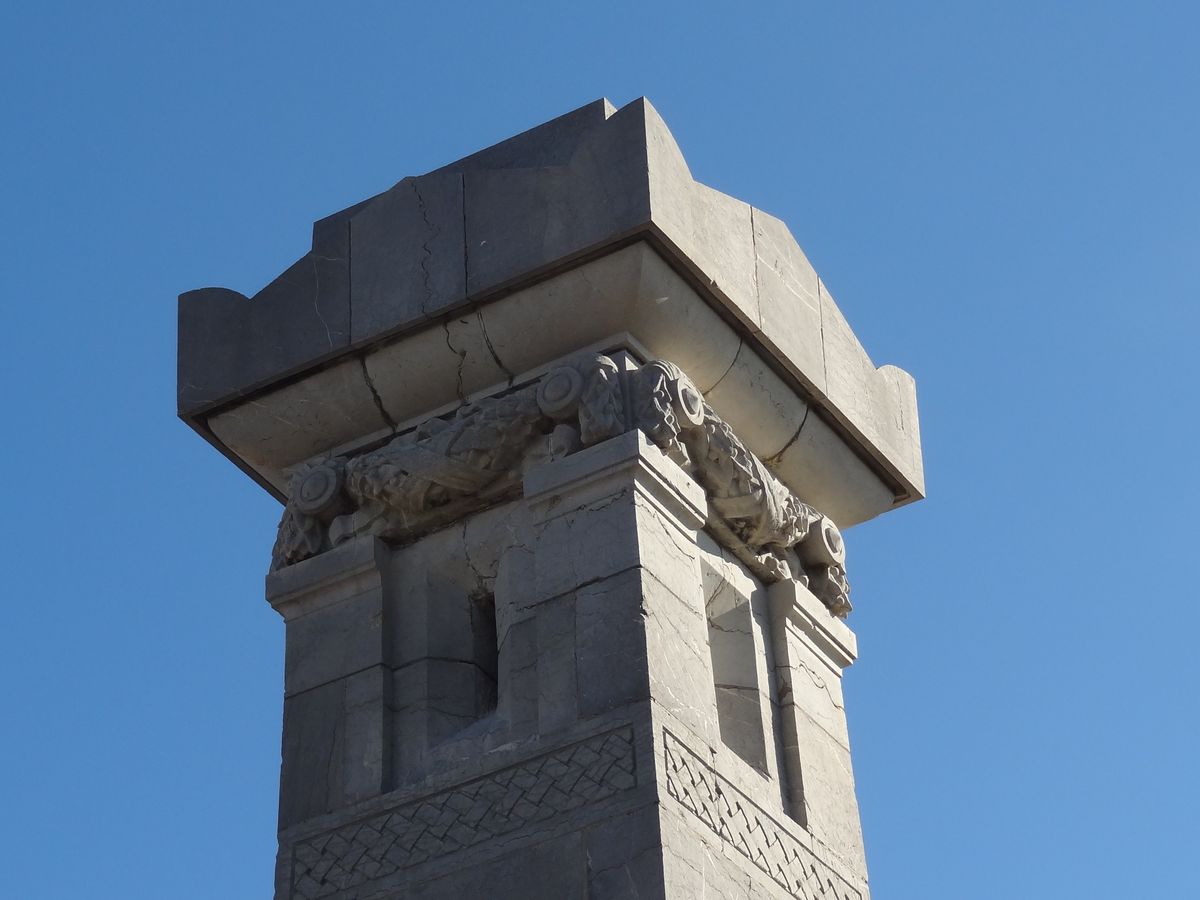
point(596, 189)
point(229, 344)
point(335, 745)
point(518, 698)
point(772, 422)
point(880, 405)
point(789, 300)
point(334, 641)
point(630, 290)
point(827, 785)
point(810, 684)
point(558, 686)
point(609, 632)
point(552, 870)
point(666, 545)
point(435, 699)
point(624, 857)
point(677, 649)
point(585, 544)
point(408, 262)
point(709, 812)
point(356, 567)
point(318, 414)
point(435, 368)
point(711, 232)
point(817, 467)
point(696, 865)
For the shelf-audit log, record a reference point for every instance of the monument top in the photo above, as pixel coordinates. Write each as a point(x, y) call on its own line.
point(398, 299)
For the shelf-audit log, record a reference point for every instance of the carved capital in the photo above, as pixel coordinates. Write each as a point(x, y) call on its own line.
point(451, 466)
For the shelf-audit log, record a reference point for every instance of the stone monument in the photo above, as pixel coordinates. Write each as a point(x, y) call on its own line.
point(566, 442)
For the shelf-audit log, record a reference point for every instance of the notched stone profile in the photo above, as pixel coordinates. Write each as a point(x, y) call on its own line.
point(449, 467)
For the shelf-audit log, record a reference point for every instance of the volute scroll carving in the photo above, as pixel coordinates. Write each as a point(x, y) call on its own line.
point(450, 466)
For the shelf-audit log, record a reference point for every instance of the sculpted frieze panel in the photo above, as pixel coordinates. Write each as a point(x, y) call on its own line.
point(450, 466)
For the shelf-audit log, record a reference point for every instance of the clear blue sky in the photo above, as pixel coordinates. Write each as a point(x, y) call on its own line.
point(1005, 198)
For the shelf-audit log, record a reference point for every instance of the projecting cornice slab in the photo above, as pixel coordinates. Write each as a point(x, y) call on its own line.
point(347, 335)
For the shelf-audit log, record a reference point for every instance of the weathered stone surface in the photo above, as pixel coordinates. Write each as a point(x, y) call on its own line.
point(335, 745)
point(749, 830)
point(363, 854)
point(333, 642)
point(624, 857)
point(789, 300)
point(553, 602)
point(433, 255)
point(229, 344)
point(595, 196)
point(311, 417)
point(879, 403)
point(615, 614)
point(406, 242)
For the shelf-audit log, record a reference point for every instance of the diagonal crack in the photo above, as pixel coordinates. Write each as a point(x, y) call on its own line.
point(375, 395)
point(774, 458)
point(492, 350)
point(725, 374)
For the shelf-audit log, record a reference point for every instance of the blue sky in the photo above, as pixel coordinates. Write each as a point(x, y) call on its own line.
point(1004, 197)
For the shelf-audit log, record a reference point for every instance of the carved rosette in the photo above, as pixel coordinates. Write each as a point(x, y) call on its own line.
point(449, 467)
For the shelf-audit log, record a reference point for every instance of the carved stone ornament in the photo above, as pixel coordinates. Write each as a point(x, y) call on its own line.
point(449, 467)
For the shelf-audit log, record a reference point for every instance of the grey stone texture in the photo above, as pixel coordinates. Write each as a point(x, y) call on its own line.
point(420, 268)
point(563, 619)
point(647, 708)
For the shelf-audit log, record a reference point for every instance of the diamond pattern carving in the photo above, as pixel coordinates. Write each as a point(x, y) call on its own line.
point(739, 820)
point(470, 814)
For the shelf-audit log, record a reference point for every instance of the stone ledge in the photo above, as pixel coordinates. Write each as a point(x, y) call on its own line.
point(460, 238)
point(597, 472)
point(327, 579)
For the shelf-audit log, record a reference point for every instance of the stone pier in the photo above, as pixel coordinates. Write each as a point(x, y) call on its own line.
point(566, 443)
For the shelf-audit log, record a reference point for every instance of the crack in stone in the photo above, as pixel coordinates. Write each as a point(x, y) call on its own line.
point(821, 322)
point(492, 350)
point(375, 395)
point(317, 298)
point(717, 383)
point(258, 404)
point(481, 580)
point(462, 361)
point(774, 458)
point(757, 286)
point(426, 249)
point(820, 683)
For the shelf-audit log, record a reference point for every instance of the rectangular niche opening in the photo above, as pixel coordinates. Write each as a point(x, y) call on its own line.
point(486, 651)
point(735, 669)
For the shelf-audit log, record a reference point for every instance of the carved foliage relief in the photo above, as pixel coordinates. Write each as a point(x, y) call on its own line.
point(448, 467)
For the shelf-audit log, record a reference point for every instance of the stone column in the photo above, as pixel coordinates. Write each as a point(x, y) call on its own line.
point(566, 443)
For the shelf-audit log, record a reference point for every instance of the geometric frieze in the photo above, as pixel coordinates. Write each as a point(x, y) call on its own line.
point(502, 802)
point(749, 829)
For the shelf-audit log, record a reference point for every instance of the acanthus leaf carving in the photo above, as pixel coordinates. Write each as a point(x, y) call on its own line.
point(450, 466)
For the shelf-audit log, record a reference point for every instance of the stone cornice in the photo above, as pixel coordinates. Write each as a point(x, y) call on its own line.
point(440, 248)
